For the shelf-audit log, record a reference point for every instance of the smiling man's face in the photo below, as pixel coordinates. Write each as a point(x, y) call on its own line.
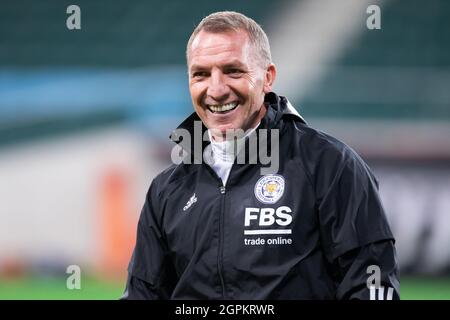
point(228, 81)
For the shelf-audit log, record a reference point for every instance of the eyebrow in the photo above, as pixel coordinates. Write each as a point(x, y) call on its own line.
point(233, 63)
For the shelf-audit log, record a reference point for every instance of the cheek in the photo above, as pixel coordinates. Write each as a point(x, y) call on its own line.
point(254, 88)
point(196, 92)
point(243, 90)
point(255, 92)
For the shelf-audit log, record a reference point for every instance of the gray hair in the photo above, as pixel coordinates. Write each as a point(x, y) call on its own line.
point(226, 21)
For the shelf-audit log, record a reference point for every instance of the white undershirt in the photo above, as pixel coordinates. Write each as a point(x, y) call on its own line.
point(222, 154)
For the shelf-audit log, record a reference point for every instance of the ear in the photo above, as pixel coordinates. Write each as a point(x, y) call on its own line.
point(269, 77)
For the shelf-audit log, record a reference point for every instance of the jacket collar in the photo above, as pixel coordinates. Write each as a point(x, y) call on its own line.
point(278, 107)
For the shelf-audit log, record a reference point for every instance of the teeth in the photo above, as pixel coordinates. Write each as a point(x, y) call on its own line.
point(222, 107)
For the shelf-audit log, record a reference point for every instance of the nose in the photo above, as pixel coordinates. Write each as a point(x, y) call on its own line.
point(218, 89)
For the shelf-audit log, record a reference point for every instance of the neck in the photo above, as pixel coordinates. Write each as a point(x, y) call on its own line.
point(227, 149)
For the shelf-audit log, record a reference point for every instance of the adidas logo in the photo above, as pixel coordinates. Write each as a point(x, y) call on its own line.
point(191, 201)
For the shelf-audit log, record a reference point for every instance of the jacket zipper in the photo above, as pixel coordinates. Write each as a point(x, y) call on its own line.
point(222, 191)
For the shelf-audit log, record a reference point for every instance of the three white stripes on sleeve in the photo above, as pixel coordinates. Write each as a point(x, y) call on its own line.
point(380, 290)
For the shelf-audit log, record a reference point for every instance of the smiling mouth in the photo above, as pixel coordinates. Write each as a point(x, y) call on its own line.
point(222, 108)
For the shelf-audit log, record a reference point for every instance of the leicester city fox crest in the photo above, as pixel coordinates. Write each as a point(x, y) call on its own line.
point(269, 188)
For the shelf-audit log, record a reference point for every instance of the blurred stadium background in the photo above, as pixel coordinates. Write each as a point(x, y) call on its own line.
point(85, 115)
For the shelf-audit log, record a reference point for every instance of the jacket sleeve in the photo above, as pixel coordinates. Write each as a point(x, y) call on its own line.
point(369, 273)
point(356, 235)
point(150, 272)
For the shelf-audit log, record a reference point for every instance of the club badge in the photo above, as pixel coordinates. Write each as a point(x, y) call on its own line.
point(269, 189)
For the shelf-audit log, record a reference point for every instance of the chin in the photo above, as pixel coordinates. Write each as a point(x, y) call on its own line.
point(223, 129)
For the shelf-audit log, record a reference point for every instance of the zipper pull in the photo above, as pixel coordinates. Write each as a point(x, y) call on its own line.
point(222, 189)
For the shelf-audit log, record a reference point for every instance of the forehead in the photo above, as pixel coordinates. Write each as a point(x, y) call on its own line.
point(214, 47)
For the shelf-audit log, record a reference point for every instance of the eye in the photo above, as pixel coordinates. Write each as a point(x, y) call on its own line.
point(199, 74)
point(233, 71)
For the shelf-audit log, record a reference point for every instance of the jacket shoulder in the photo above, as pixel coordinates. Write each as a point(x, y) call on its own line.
point(325, 157)
point(170, 176)
point(316, 145)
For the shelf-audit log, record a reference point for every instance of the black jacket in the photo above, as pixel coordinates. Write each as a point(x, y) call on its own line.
point(313, 230)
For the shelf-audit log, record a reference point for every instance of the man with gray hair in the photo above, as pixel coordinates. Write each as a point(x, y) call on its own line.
point(214, 227)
